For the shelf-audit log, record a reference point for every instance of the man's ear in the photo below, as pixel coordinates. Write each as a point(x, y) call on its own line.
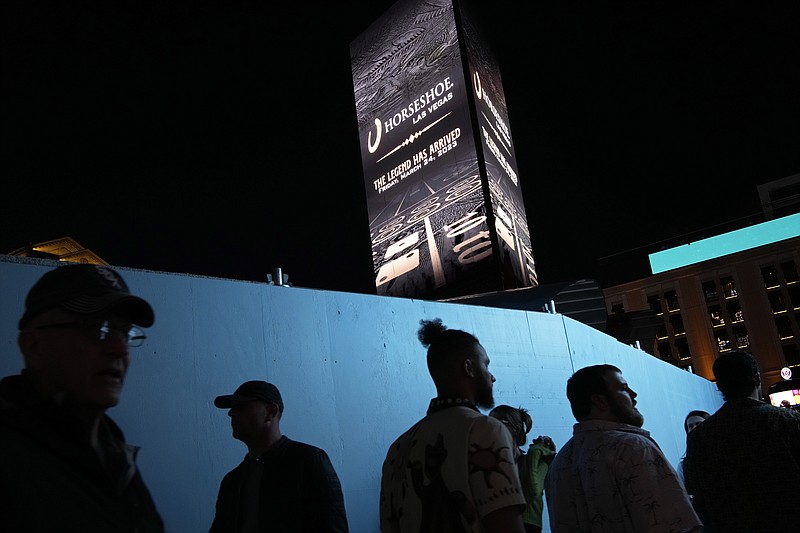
point(600, 402)
point(273, 411)
point(28, 343)
point(25, 341)
point(469, 369)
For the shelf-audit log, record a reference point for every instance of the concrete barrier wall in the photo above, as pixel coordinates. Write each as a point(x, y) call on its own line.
point(351, 371)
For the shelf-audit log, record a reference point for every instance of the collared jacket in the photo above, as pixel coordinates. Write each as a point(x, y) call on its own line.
point(299, 492)
point(51, 479)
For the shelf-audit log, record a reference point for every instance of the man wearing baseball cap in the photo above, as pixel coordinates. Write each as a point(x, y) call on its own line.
point(281, 485)
point(64, 464)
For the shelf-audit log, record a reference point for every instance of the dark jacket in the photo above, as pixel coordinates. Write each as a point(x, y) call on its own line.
point(51, 479)
point(743, 467)
point(299, 493)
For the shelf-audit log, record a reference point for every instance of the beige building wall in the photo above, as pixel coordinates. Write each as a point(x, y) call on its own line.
point(752, 295)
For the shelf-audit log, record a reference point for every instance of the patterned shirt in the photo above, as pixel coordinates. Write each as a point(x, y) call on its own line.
point(448, 471)
point(613, 478)
point(743, 467)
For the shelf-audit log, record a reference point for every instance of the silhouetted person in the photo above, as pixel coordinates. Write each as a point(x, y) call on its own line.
point(532, 466)
point(453, 471)
point(742, 460)
point(281, 486)
point(611, 476)
point(64, 464)
point(693, 419)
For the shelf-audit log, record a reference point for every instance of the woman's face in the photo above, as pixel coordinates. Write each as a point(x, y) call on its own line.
point(693, 421)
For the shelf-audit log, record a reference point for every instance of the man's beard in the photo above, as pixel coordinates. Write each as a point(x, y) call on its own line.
point(630, 416)
point(484, 397)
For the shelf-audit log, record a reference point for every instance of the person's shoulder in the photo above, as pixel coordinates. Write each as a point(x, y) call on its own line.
point(788, 415)
point(489, 425)
point(564, 455)
point(626, 436)
point(304, 448)
point(695, 435)
point(299, 445)
point(486, 421)
point(754, 409)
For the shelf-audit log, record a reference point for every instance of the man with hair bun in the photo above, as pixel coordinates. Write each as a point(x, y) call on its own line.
point(454, 469)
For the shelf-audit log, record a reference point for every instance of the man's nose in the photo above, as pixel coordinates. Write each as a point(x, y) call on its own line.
point(118, 343)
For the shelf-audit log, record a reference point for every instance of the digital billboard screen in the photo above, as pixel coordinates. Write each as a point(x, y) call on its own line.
point(431, 226)
point(505, 192)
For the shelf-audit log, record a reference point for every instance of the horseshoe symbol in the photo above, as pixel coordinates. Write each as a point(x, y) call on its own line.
point(373, 147)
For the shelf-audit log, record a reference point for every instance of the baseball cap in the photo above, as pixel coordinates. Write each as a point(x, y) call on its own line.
point(251, 390)
point(87, 290)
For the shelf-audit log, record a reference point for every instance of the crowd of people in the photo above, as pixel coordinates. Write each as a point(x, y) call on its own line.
point(65, 464)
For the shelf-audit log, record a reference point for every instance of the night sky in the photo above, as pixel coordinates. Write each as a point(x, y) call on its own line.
point(219, 138)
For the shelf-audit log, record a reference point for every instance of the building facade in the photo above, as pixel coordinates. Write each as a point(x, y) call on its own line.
point(747, 300)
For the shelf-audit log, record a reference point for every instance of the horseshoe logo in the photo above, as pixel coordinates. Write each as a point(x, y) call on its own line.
point(476, 82)
point(374, 147)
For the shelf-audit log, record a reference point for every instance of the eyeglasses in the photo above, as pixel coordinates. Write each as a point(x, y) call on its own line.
point(102, 331)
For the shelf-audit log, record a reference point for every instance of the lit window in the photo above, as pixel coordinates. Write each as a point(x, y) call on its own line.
point(784, 327)
point(735, 312)
point(654, 301)
point(776, 302)
point(671, 298)
point(790, 272)
point(794, 296)
point(770, 275)
point(710, 290)
point(728, 287)
point(742, 338)
point(715, 314)
point(723, 342)
point(677, 325)
point(682, 347)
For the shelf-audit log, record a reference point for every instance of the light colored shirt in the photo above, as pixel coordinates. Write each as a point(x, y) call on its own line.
point(448, 471)
point(613, 478)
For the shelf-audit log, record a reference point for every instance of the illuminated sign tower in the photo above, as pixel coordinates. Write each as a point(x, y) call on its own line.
point(446, 213)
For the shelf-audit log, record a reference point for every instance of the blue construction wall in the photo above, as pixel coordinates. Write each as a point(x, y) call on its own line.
point(351, 371)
